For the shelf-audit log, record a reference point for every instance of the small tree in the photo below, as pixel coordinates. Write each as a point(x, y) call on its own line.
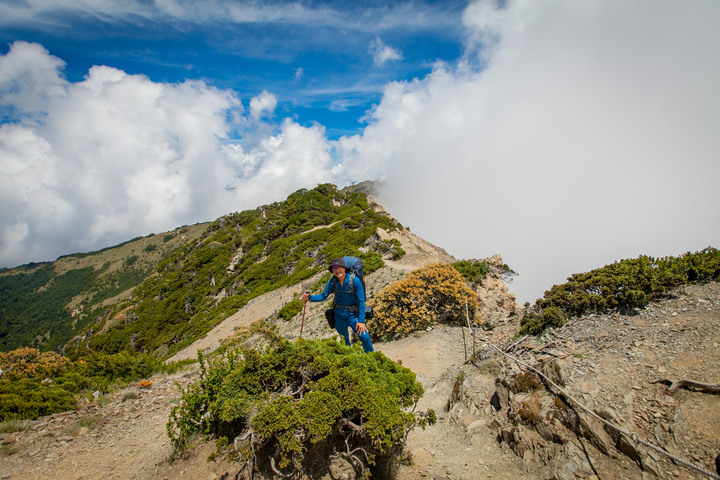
point(295, 406)
point(436, 293)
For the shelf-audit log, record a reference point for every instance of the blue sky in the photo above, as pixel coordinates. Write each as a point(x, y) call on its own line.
point(323, 60)
point(562, 135)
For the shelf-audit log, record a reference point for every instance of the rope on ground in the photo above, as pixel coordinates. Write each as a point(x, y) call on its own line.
point(630, 435)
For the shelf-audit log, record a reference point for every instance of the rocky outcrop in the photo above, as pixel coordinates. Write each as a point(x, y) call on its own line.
point(497, 304)
point(597, 410)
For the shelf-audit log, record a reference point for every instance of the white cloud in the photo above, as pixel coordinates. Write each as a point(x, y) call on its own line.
point(30, 77)
point(296, 157)
point(263, 104)
point(32, 211)
point(382, 53)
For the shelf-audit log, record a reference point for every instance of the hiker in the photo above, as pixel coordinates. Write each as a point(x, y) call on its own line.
point(348, 307)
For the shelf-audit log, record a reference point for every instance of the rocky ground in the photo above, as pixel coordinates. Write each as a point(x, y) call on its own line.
point(495, 420)
point(609, 364)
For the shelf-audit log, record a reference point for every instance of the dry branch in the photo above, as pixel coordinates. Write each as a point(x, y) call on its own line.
point(706, 387)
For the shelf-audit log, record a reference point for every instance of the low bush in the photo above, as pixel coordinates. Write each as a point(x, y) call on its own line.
point(35, 384)
point(288, 311)
point(472, 271)
point(436, 293)
point(28, 398)
point(533, 323)
point(624, 285)
point(298, 404)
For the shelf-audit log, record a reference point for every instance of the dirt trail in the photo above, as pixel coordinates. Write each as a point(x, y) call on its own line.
point(446, 450)
point(124, 436)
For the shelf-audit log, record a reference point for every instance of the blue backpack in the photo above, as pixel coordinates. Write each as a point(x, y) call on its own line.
point(355, 269)
point(355, 265)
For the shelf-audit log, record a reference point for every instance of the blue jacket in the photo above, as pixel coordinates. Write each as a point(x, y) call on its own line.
point(345, 298)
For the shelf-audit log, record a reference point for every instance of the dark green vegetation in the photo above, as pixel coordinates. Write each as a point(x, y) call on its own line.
point(36, 300)
point(239, 257)
point(28, 399)
point(472, 271)
point(291, 309)
point(296, 405)
point(35, 384)
point(624, 285)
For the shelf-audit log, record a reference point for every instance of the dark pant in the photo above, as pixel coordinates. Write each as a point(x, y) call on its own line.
point(341, 326)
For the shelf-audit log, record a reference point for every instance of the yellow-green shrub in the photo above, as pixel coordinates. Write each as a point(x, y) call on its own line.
point(436, 293)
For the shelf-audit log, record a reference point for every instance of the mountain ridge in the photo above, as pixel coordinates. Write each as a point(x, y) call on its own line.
point(496, 418)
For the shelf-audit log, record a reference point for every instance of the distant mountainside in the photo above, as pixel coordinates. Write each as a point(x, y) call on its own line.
point(160, 293)
point(44, 305)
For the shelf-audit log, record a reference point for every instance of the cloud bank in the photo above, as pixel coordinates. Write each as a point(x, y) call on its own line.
point(590, 136)
point(568, 136)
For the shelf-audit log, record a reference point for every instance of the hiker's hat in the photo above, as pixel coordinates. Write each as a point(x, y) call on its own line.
point(337, 262)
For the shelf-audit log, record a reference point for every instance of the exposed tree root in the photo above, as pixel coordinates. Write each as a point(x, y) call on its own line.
point(278, 472)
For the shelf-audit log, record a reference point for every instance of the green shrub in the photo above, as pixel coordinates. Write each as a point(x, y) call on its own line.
point(436, 293)
point(534, 324)
point(120, 367)
point(301, 402)
point(554, 317)
point(29, 399)
point(392, 247)
point(472, 271)
point(627, 284)
point(291, 309)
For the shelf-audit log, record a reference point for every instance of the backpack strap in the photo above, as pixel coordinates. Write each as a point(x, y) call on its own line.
point(352, 292)
point(352, 283)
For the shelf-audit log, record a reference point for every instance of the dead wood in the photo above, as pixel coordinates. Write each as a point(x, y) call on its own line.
point(706, 387)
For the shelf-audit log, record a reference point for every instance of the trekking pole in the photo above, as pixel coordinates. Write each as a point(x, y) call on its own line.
point(302, 324)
